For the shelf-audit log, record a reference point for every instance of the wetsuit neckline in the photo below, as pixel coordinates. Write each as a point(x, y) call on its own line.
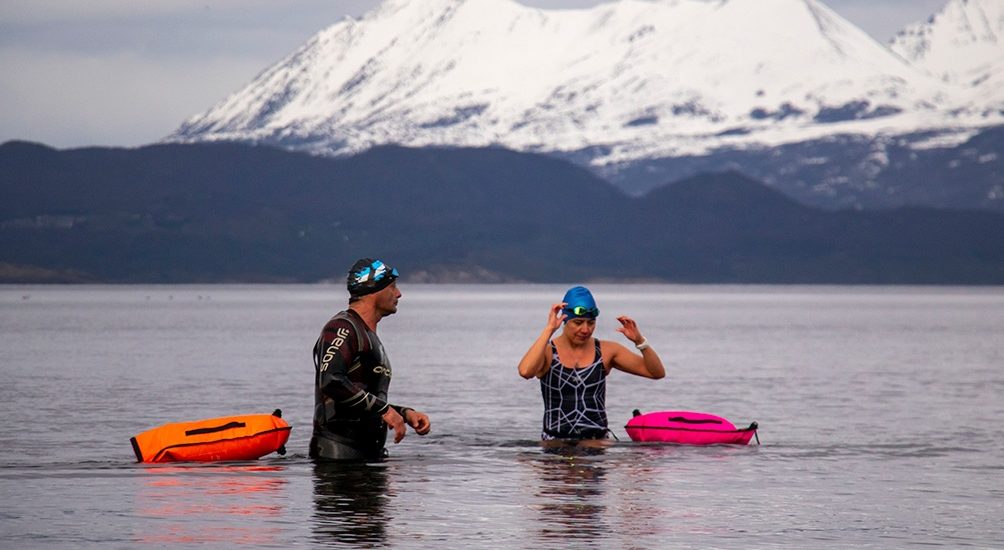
point(362, 320)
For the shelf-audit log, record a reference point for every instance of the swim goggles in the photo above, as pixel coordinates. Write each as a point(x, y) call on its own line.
point(583, 311)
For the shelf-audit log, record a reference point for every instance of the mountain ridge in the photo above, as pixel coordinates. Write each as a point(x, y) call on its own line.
point(228, 212)
point(973, 27)
point(636, 91)
point(639, 79)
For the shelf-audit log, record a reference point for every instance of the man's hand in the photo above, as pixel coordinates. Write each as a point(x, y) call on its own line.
point(419, 421)
point(396, 423)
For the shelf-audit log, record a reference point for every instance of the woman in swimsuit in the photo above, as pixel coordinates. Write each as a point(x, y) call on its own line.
point(573, 368)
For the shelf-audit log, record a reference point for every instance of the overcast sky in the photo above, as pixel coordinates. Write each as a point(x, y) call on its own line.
point(128, 72)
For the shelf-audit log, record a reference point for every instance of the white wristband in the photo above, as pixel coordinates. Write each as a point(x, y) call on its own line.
point(643, 345)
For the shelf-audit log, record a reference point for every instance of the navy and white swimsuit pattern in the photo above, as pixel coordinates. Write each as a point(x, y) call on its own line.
point(574, 399)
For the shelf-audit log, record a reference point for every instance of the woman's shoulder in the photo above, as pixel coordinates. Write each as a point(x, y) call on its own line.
point(610, 347)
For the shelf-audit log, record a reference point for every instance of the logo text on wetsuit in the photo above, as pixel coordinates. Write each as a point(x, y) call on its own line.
point(380, 369)
point(329, 353)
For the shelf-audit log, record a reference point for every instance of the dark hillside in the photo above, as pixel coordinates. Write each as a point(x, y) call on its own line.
point(231, 212)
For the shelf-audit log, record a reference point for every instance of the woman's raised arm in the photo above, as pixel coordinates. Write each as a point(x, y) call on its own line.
point(536, 359)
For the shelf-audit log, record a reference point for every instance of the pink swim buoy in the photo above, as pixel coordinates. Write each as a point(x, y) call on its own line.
point(687, 428)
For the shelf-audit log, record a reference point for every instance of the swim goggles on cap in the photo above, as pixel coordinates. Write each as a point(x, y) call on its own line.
point(375, 272)
point(583, 311)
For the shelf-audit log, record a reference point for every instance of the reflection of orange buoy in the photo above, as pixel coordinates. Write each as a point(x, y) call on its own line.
point(210, 504)
point(246, 437)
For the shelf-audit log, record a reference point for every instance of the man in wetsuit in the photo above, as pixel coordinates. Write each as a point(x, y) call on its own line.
point(352, 373)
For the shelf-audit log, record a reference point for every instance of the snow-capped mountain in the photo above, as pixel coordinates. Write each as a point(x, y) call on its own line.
point(962, 44)
point(625, 80)
point(645, 92)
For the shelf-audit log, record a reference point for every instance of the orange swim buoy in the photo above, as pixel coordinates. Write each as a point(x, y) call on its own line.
point(246, 437)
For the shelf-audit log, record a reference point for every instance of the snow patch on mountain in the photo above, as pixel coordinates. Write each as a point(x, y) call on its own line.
point(622, 81)
point(975, 27)
point(962, 44)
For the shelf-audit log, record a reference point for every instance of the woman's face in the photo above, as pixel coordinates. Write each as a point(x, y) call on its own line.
point(580, 329)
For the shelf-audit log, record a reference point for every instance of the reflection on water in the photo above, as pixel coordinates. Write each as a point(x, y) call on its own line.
point(210, 504)
point(641, 514)
point(350, 503)
point(571, 491)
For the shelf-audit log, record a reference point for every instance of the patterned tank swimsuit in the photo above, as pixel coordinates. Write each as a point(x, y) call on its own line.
point(574, 399)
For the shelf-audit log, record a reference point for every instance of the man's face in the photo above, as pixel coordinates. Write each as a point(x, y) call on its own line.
point(386, 300)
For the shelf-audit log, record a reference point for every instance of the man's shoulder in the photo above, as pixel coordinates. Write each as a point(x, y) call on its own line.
point(340, 317)
point(343, 326)
point(341, 320)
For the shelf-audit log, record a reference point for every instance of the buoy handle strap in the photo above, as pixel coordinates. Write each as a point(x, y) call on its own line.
point(227, 426)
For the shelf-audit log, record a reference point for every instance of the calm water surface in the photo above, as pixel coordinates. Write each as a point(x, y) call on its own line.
point(881, 414)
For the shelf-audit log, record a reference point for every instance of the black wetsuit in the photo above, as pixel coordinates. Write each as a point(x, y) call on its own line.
point(351, 377)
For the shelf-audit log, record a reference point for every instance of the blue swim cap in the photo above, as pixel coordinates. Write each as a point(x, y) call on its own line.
point(579, 302)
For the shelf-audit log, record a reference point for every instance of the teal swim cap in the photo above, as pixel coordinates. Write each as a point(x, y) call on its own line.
point(368, 276)
point(579, 302)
